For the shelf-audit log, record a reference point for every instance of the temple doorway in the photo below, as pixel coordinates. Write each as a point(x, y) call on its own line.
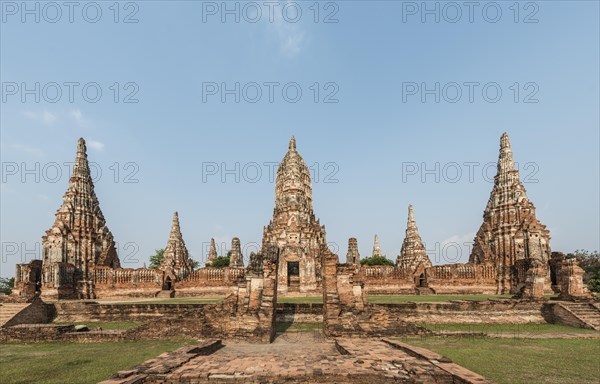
point(422, 280)
point(293, 268)
point(168, 284)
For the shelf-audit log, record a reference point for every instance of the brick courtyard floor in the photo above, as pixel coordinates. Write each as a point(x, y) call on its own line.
point(302, 358)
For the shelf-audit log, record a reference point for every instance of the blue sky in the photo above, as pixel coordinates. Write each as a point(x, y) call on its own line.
point(368, 151)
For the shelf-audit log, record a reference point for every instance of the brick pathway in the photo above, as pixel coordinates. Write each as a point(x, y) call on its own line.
point(302, 358)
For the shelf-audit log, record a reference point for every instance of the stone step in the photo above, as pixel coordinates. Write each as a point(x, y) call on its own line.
point(579, 306)
point(10, 310)
point(588, 313)
point(166, 294)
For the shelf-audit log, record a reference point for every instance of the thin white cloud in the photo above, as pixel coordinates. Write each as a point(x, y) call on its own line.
point(95, 145)
point(455, 249)
point(292, 44)
point(30, 115)
point(76, 115)
point(46, 117)
point(49, 118)
point(27, 149)
point(290, 37)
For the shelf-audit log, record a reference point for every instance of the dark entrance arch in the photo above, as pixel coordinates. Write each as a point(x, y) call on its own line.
point(293, 275)
point(168, 284)
point(422, 280)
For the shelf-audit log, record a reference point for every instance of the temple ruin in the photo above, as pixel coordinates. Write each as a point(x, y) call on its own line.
point(511, 252)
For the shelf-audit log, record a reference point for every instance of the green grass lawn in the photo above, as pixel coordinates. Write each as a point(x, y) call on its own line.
point(398, 298)
point(510, 329)
point(175, 300)
point(298, 327)
point(430, 298)
point(317, 299)
point(519, 361)
point(105, 325)
point(49, 363)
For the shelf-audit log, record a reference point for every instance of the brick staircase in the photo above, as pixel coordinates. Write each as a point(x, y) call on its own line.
point(424, 291)
point(165, 294)
point(586, 312)
point(10, 310)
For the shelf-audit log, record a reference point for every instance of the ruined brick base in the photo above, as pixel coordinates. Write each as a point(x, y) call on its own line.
point(299, 361)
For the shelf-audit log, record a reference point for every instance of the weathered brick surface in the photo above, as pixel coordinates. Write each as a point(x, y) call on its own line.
point(23, 313)
point(299, 312)
point(302, 361)
point(153, 370)
point(469, 312)
point(91, 311)
point(35, 332)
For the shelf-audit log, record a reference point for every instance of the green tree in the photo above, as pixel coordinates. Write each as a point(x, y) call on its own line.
point(157, 258)
point(376, 260)
point(7, 284)
point(590, 262)
point(221, 261)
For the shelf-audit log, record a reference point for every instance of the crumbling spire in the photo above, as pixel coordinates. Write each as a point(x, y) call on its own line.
point(79, 235)
point(212, 252)
point(376, 248)
point(175, 228)
point(176, 256)
point(236, 259)
point(353, 257)
point(292, 145)
point(510, 232)
point(413, 251)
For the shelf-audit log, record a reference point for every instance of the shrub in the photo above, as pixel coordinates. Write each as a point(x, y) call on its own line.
point(376, 260)
point(220, 262)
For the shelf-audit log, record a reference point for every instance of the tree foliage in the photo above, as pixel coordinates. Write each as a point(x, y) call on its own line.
point(590, 262)
point(376, 260)
point(157, 258)
point(7, 284)
point(220, 262)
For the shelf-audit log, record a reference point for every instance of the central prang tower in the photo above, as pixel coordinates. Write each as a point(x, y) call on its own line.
point(294, 228)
